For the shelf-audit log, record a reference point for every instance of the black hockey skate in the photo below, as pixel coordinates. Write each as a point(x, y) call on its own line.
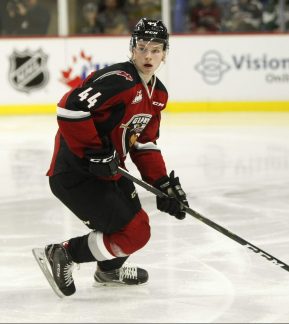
point(61, 264)
point(126, 275)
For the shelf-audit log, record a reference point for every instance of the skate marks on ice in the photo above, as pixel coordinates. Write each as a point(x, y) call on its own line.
point(236, 176)
point(32, 300)
point(180, 287)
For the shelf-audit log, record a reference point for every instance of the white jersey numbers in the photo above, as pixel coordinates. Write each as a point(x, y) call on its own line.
point(85, 95)
point(93, 99)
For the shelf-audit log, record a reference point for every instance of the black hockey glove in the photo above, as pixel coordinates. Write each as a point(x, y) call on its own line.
point(103, 162)
point(176, 200)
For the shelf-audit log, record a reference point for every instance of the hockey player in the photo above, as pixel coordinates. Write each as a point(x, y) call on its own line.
point(116, 111)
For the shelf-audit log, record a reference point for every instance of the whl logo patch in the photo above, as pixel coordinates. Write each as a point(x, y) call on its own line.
point(28, 70)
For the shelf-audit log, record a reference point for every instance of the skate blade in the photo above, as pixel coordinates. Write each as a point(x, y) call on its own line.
point(40, 257)
point(97, 284)
point(115, 284)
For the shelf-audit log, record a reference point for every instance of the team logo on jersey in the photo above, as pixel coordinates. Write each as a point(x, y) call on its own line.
point(132, 130)
point(28, 70)
point(137, 98)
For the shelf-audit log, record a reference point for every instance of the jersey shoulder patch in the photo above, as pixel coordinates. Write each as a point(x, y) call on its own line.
point(120, 72)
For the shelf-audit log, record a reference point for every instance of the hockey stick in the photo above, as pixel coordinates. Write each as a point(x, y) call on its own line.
point(207, 221)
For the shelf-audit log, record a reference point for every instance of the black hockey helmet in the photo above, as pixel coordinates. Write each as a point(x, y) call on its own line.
point(150, 30)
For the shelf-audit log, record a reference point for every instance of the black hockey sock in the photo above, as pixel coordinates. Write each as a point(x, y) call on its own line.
point(79, 250)
point(112, 264)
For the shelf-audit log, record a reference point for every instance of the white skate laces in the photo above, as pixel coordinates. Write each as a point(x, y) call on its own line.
point(67, 273)
point(127, 272)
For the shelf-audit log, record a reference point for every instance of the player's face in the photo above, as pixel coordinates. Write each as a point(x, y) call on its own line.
point(147, 56)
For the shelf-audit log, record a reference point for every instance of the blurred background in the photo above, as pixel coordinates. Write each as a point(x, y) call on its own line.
point(224, 55)
point(76, 17)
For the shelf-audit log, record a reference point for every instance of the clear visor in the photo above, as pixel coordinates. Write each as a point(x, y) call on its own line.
point(152, 46)
point(150, 39)
point(146, 41)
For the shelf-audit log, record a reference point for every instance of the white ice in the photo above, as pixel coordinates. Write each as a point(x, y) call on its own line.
point(235, 169)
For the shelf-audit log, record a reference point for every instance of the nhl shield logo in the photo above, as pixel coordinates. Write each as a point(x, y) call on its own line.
point(28, 70)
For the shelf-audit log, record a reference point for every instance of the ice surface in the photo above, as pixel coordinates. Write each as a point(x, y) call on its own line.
point(235, 169)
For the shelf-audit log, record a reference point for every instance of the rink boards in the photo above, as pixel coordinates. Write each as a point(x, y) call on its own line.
point(203, 73)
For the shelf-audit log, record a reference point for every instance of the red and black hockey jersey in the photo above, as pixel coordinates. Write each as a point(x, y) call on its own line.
point(115, 103)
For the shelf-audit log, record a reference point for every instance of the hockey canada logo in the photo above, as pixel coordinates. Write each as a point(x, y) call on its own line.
point(28, 70)
point(81, 66)
point(132, 130)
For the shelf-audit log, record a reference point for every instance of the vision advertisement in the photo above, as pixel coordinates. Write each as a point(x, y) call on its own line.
point(37, 72)
point(229, 68)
